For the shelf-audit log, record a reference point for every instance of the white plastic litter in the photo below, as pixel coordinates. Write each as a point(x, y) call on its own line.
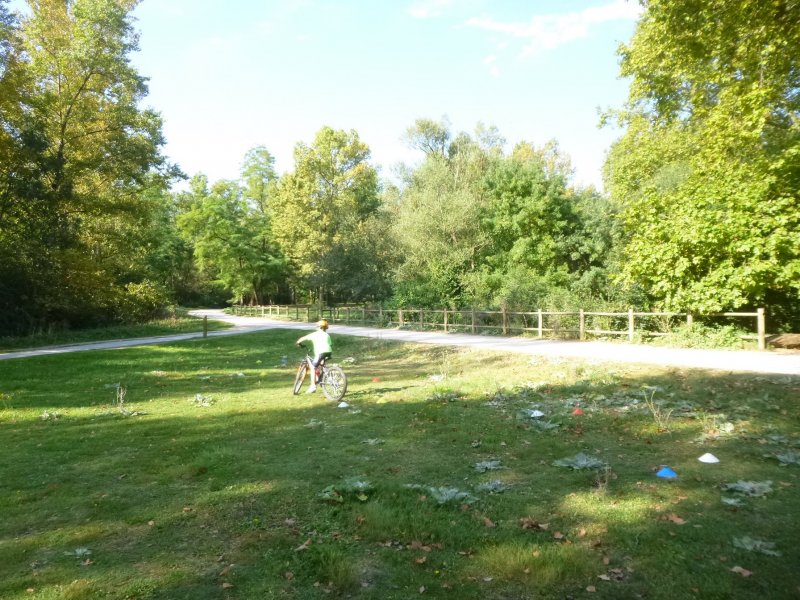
point(708, 458)
point(343, 404)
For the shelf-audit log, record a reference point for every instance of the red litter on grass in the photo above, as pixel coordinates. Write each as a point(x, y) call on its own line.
point(577, 412)
point(376, 380)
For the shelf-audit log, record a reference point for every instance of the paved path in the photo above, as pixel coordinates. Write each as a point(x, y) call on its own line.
point(774, 362)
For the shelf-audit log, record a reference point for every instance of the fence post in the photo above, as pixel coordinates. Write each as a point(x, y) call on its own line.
point(539, 312)
point(445, 320)
point(689, 319)
point(505, 321)
point(421, 319)
point(582, 326)
point(363, 315)
point(380, 316)
point(473, 320)
point(762, 330)
point(630, 324)
point(308, 314)
point(347, 315)
point(205, 326)
point(400, 317)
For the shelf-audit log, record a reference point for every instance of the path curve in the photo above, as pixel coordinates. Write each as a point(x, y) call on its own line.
point(772, 362)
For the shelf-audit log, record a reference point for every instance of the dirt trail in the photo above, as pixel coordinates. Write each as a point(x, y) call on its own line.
point(774, 362)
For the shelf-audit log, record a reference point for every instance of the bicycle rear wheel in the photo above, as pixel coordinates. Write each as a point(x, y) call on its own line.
point(302, 371)
point(334, 383)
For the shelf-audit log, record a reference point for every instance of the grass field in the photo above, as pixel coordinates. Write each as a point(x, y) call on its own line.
point(189, 471)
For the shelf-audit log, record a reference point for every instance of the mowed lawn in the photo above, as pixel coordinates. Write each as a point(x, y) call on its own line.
point(448, 476)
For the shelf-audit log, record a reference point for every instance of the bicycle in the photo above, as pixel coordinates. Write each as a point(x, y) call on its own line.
point(332, 379)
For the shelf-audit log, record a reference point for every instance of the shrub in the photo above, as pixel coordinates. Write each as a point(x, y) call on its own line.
point(143, 301)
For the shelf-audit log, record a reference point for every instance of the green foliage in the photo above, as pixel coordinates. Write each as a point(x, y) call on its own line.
point(436, 228)
point(708, 171)
point(477, 227)
point(231, 238)
point(145, 301)
point(699, 335)
point(76, 154)
point(321, 208)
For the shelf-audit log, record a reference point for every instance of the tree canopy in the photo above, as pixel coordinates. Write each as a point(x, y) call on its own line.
point(700, 210)
point(708, 171)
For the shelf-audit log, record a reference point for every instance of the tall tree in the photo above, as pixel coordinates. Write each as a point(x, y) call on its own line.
point(259, 177)
point(429, 136)
point(708, 171)
point(87, 151)
point(231, 242)
point(436, 225)
point(320, 206)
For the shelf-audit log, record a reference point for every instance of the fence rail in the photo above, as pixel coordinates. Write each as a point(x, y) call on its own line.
point(503, 322)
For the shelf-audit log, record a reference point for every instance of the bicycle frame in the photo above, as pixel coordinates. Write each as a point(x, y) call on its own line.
point(332, 379)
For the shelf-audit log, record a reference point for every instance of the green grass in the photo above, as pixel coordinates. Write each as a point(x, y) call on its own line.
point(171, 497)
point(181, 323)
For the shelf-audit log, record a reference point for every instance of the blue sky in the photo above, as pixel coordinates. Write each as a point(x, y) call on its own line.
point(230, 76)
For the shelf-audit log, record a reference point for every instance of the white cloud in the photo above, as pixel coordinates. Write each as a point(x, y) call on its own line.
point(490, 61)
point(428, 9)
point(545, 32)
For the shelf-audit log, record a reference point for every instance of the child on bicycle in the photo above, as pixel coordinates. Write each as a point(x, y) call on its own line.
point(322, 349)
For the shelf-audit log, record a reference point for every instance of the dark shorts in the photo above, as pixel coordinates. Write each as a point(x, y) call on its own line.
point(322, 358)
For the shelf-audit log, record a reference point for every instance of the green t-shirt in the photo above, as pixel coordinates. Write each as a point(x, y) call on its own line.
point(320, 340)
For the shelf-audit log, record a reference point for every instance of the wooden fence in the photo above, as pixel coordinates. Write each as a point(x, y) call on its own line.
point(574, 324)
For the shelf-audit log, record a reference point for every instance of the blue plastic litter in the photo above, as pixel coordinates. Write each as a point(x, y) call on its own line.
point(666, 473)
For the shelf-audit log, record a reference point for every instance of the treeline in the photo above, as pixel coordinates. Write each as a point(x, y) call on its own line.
point(702, 210)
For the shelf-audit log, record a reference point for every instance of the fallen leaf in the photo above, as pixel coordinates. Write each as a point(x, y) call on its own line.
point(529, 523)
point(151, 523)
point(581, 533)
point(421, 560)
point(227, 586)
point(488, 522)
point(606, 560)
point(536, 554)
point(422, 589)
point(417, 545)
point(604, 577)
point(674, 518)
point(558, 535)
point(488, 579)
point(361, 519)
point(591, 588)
point(303, 546)
point(742, 572)
point(225, 571)
point(289, 575)
point(187, 509)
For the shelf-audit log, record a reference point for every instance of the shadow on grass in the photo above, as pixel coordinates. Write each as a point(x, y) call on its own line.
point(167, 501)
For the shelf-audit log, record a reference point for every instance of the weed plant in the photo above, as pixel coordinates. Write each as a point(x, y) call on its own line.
point(262, 494)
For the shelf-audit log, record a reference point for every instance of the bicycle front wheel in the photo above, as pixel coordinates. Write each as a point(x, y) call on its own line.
point(302, 371)
point(334, 383)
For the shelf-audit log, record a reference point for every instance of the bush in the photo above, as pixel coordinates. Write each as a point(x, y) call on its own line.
point(703, 336)
point(143, 302)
